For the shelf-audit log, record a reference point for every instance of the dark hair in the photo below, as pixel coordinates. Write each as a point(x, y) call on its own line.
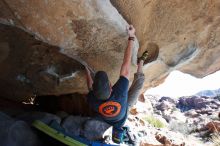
point(101, 85)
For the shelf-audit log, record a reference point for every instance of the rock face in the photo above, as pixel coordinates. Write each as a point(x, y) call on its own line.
point(88, 32)
point(186, 31)
point(16, 132)
point(93, 33)
point(32, 67)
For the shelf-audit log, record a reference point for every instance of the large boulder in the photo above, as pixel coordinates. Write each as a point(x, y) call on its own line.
point(186, 31)
point(90, 33)
point(93, 33)
point(16, 132)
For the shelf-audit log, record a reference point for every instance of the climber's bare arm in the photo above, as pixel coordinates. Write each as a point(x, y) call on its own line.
point(89, 79)
point(125, 68)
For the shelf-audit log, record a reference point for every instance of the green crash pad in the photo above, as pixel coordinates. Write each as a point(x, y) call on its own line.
point(56, 134)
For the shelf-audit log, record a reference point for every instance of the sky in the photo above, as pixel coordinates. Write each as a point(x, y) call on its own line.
point(179, 84)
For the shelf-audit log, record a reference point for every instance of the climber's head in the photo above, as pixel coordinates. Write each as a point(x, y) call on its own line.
point(101, 86)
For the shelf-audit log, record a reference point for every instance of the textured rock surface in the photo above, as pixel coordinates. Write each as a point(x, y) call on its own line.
point(16, 132)
point(186, 31)
point(30, 67)
point(90, 32)
point(93, 32)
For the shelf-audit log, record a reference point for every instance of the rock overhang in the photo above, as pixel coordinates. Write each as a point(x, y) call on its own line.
point(93, 33)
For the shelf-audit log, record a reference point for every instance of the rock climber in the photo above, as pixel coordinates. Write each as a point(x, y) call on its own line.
point(111, 103)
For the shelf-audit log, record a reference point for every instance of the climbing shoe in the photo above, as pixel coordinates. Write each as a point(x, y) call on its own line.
point(123, 135)
point(129, 137)
point(118, 135)
point(144, 56)
point(150, 54)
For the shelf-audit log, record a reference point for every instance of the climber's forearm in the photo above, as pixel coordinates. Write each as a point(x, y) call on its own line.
point(89, 79)
point(125, 68)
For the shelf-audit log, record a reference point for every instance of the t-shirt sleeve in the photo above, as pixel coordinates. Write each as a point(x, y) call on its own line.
point(121, 86)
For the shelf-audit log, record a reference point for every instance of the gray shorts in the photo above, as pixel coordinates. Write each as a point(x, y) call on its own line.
point(135, 89)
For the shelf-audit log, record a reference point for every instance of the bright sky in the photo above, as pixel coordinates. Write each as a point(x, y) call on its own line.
point(180, 84)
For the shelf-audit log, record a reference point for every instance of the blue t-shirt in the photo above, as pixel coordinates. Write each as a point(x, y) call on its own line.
point(114, 109)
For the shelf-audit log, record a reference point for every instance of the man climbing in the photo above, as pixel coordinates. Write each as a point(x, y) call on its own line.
point(111, 102)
